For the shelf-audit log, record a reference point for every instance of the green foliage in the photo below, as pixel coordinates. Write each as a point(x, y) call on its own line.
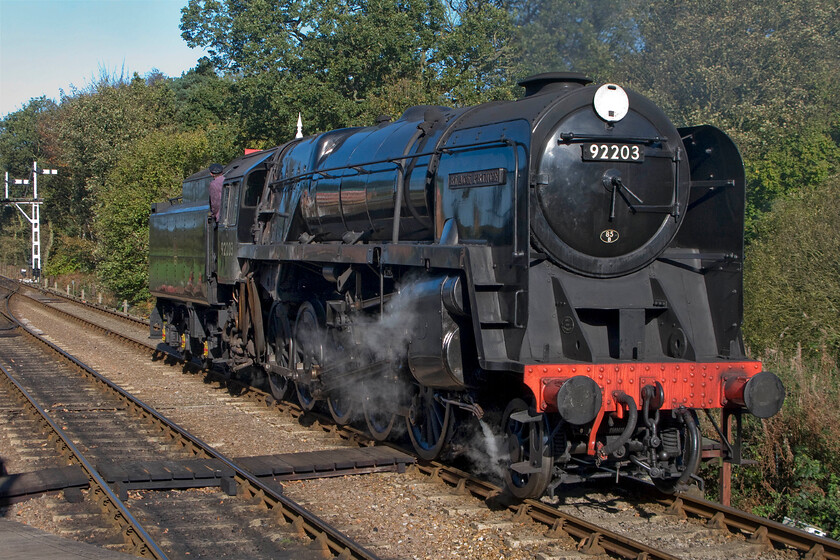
point(202, 98)
point(90, 130)
point(343, 63)
point(800, 162)
point(24, 138)
point(70, 255)
point(814, 496)
point(87, 135)
point(792, 275)
point(739, 61)
point(14, 236)
point(477, 54)
point(792, 298)
point(96, 125)
point(149, 170)
point(21, 137)
point(566, 35)
point(798, 450)
point(14, 241)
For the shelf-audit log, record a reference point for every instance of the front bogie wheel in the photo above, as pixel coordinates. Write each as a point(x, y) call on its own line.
point(529, 451)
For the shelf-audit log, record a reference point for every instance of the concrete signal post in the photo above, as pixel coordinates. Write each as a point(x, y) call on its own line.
point(34, 203)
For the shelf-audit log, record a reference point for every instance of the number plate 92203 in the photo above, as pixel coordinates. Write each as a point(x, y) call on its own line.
point(632, 153)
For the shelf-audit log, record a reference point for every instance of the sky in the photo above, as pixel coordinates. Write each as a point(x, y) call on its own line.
point(52, 45)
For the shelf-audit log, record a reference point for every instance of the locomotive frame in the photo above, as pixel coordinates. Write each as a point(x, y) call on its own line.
point(567, 265)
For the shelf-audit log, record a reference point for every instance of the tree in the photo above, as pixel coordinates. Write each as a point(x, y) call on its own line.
point(24, 138)
point(90, 130)
point(325, 58)
point(96, 124)
point(792, 277)
point(478, 54)
point(741, 61)
point(802, 161)
point(247, 38)
point(766, 74)
point(21, 141)
point(568, 35)
point(149, 170)
point(343, 62)
point(86, 136)
point(203, 98)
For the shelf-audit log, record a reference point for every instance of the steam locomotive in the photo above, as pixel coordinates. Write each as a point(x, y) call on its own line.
point(566, 267)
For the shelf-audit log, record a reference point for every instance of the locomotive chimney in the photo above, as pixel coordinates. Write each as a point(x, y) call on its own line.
point(553, 82)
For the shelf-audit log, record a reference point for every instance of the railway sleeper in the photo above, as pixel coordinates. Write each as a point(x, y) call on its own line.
point(201, 473)
point(20, 487)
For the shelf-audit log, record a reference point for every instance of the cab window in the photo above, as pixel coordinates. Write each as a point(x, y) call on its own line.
point(230, 204)
point(248, 212)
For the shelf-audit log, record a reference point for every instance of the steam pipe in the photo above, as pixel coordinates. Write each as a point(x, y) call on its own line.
point(632, 417)
point(692, 446)
point(474, 408)
point(395, 236)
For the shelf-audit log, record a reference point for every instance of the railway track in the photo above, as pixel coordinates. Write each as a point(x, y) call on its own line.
point(94, 421)
point(761, 533)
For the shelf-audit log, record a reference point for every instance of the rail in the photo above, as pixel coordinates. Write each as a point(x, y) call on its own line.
point(762, 531)
point(330, 540)
point(133, 533)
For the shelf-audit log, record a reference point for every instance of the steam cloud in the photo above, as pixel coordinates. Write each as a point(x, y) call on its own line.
point(372, 339)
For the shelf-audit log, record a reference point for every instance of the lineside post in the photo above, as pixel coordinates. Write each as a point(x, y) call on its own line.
point(725, 466)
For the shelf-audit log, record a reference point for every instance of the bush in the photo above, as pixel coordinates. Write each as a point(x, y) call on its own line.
point(69, 255)
point(801, 162)
point(792, 300)
point(792, 275)
point(798, 450)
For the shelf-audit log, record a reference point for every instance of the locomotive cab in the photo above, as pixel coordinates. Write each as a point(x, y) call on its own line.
point(244, 181)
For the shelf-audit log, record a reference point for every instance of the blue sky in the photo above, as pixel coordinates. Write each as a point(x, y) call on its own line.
point(48, 45)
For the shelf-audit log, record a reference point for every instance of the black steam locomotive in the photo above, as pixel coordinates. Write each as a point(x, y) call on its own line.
point(567, 267)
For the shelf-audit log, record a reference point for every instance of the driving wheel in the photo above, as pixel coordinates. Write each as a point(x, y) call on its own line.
point(308, 352)
point(429, 424)
point(279, 352)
